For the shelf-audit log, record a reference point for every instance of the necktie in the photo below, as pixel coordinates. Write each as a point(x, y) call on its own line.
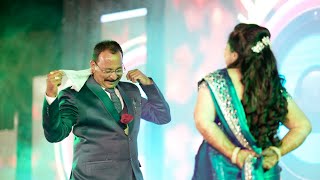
point(115, 99)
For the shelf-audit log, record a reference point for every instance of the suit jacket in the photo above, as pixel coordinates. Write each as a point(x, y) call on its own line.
point(101, 148)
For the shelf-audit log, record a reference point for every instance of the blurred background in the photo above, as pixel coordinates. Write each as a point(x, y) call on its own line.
point(174, 41)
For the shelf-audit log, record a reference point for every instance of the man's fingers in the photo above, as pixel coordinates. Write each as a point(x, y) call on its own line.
point(133, 75)
point(55, 73)
point(132, 79)
point(134, 72)
point(55, 79)
point(130, 74)
point(54, 83)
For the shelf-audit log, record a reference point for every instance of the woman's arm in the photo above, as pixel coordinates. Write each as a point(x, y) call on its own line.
point(299, 128)
point(204, 116)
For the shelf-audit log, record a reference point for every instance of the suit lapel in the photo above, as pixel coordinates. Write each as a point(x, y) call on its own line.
point(99, 92)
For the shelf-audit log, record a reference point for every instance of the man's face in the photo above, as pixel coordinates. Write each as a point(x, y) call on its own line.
point(107, 70)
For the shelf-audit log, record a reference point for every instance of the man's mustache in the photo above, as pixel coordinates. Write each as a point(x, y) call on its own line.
point(112, 80)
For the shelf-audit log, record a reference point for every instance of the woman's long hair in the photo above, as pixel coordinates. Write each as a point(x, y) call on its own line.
point(263, 101)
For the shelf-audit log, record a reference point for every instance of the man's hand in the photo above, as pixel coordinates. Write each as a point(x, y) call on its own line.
point(54, 79)
point(137, 76)
point(270, 158)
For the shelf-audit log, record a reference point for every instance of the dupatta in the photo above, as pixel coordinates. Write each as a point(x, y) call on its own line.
point(232, 116)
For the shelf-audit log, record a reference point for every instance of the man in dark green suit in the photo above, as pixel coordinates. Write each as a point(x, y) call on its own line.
point(104, 147)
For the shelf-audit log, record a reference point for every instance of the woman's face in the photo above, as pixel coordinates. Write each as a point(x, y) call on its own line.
point(229, 55)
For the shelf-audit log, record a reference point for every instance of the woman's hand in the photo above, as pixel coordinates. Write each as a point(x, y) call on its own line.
point(242, 156)
point(270, 158)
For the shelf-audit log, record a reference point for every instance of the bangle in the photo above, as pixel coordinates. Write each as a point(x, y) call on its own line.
point(235, 155)
point(277, 151)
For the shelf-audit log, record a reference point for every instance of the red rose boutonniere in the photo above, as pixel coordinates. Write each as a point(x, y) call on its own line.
point(126, 118)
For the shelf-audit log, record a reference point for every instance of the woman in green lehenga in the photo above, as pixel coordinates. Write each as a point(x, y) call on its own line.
point(239, 110)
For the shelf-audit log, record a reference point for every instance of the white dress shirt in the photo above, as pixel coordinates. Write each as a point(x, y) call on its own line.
point(51, 99)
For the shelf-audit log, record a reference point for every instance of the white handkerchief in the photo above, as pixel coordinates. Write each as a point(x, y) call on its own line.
point(76, 79)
